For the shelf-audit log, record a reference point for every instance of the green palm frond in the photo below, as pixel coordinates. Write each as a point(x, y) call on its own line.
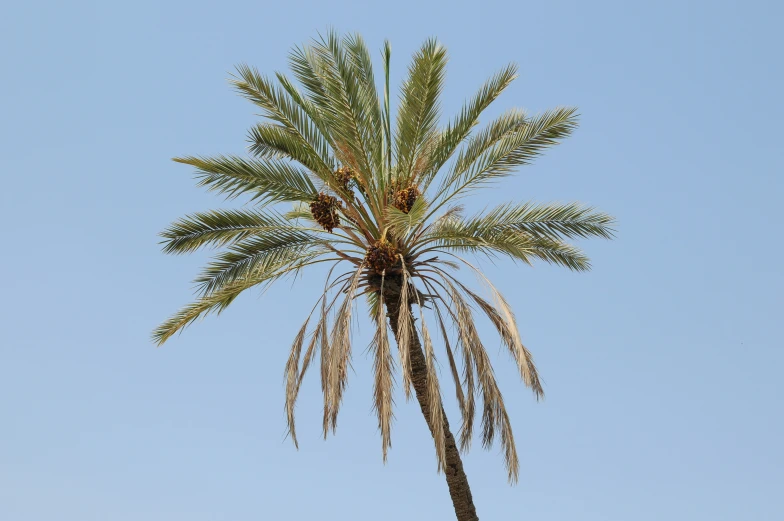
point(361, 66)
point(213, 303)
point(539, 133)
point(307, 70)
point(279, 107)
point(456, 235)
point(300, 211)
point(387, 57)
point(550, 220)
point(271, 141)
point(507, 124)
point(419, 108)
point(265, 181)
point(344, 102)
point(457, 131)
point(463, 236)
point(512, 142)
point(401, 223)
point(560, 253)
point(306, 104)
point(267, 253)
point(218, 228)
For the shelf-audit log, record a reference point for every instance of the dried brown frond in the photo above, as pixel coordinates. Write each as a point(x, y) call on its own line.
point(466, 401)
point(325, 211)
point(292, 370)
point(461, 402)
point(436, 411)
point(404, 331)
point(506, 325)
point(467, 427)
point(494, 415)
point(383, 366)
point(318, 340)
point(294, 380)
point(340, 353)
point(310, 353)
point(326, 349)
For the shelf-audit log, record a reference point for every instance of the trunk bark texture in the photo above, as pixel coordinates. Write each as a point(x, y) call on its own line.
point(455, 475)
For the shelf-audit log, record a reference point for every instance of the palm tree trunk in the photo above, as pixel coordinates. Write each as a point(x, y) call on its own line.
point(456, 478)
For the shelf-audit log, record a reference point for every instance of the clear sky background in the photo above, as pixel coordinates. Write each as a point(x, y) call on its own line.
point(662, 365)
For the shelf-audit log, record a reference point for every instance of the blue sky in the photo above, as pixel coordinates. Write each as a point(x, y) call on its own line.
point(662, 365)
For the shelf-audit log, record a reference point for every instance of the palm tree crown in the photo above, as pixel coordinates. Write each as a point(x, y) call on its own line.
point(379, 200)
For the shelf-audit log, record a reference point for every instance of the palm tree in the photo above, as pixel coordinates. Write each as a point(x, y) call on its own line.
point(382, 209)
